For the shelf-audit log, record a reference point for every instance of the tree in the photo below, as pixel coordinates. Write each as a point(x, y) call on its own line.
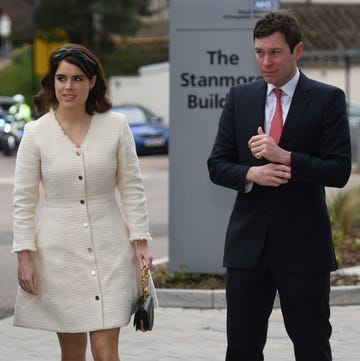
point(92, 22)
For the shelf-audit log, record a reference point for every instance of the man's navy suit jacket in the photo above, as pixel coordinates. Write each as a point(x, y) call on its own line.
point(292, 219)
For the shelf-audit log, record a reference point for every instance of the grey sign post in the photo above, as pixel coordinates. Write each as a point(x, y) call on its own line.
point(211, 49)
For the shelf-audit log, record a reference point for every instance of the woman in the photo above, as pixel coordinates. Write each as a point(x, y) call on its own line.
point(78, 269)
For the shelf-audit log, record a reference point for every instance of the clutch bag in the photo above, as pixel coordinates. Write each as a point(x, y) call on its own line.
point(144, 312)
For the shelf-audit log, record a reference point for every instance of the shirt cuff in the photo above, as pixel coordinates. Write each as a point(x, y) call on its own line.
point(248, 187)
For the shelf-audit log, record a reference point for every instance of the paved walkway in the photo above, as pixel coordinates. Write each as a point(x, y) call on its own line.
point(186, 335)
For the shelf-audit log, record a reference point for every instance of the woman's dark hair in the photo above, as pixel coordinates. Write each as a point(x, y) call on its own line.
point(83, 58)
point(282, 21)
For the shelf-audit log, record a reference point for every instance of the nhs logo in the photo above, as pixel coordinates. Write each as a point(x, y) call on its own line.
point(263, 4)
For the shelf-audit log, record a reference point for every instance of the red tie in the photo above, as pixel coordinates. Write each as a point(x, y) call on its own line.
point(277, 120)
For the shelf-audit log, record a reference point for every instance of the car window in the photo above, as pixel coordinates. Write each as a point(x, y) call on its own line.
point(5, 106)
point(152, 118)
point(354, 110)
point(133, 115)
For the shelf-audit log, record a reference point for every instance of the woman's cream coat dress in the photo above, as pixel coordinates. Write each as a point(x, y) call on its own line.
point(83, 245)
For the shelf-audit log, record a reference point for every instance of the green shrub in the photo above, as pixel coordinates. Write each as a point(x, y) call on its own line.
point(18, 77)
point(345, 212)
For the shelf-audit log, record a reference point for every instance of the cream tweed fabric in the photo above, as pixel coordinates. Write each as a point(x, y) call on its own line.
point(82, 246)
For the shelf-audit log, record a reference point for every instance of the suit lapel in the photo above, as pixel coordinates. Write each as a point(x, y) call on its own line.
point(257, 105)
point(298, 105)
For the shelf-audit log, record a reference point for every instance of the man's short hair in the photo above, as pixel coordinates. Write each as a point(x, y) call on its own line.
point(282, 21)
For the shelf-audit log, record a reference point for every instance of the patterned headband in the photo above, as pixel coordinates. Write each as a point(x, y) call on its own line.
point(80, 55)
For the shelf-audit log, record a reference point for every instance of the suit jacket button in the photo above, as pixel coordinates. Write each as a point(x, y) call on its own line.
point(82, 201)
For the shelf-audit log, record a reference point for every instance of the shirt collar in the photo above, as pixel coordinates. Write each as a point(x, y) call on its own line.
point(289, 87)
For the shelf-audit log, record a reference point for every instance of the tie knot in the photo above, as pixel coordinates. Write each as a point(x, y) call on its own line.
point(277, 92)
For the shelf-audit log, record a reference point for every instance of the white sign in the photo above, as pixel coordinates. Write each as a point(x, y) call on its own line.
point(211, 49)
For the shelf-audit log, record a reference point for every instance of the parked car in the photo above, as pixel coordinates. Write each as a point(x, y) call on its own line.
point(354, 113)
point(150, 134)
point(11, 132)
point(11, 129)
point(6, 103)
point(354, 123)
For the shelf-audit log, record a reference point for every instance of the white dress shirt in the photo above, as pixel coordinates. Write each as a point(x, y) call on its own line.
point(288, 90)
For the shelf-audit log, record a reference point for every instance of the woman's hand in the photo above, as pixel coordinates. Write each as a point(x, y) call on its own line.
point(143, 253)
point(26, 273)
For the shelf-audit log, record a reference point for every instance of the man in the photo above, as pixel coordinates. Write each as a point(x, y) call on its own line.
point(279, 233)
